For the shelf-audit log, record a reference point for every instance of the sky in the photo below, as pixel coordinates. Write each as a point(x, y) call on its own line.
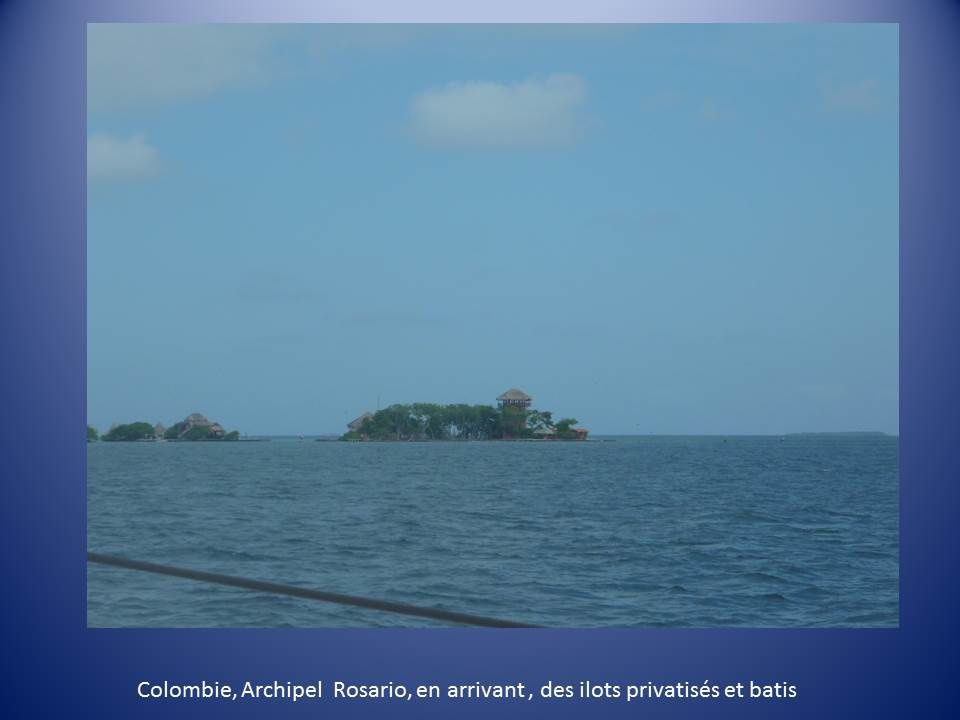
point(670, 229)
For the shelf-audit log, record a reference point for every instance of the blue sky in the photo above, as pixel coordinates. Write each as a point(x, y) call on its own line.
point(660, 228)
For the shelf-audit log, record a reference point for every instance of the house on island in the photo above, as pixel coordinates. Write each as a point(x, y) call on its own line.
point(514, 398)
point(178, 431)
point(513, 420)
point(215, 429)
point(550, 433)
point(195, 420)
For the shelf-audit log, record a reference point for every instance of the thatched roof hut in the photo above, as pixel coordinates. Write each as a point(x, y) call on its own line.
point(194, 419)
point(515, 397)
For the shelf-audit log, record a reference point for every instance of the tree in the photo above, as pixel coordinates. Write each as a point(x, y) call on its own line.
point(429, 421)
point(564, 427)
point(197, 432)
point(489, 423)
point(92, 434)
point(129, 432)
point(175, 430)
point(514, 421)
point(540, 420)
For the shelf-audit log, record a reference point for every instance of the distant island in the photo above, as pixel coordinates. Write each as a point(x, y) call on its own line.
point(194, 427)
point(512, 419)
point(842, 433)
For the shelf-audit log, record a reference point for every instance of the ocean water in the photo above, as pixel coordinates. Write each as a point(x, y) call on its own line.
point(799, 531)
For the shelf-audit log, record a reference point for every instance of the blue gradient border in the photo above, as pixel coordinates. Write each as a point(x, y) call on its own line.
point(53, 666)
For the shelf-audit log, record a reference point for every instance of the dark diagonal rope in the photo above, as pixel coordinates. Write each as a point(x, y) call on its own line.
point(306, 593)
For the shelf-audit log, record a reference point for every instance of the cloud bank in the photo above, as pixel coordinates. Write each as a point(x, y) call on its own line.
point(112, 158)
point(535, 112)
point(129, 65)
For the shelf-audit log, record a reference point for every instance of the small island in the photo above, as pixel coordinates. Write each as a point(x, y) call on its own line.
point(194, 427)
point(512, 419)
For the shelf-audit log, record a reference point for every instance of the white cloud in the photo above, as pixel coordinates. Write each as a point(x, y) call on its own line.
point(129, 65)
point(111, 158)
point(534, 112)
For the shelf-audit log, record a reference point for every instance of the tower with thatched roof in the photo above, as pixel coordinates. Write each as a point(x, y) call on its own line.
point(514, 398)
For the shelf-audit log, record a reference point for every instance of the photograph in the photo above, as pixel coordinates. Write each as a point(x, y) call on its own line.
point(577, 325)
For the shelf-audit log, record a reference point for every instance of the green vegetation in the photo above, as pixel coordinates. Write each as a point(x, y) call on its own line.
point(513, 423)
point(92, 434)
point(564, 428)
point(428, 421)
point(199, 429)
point(193, 427)
point(540, 420)
point(198, 432)
point(129, 432)
point(207, 432)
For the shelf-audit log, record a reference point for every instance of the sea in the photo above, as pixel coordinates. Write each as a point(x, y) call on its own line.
point(640, 531)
